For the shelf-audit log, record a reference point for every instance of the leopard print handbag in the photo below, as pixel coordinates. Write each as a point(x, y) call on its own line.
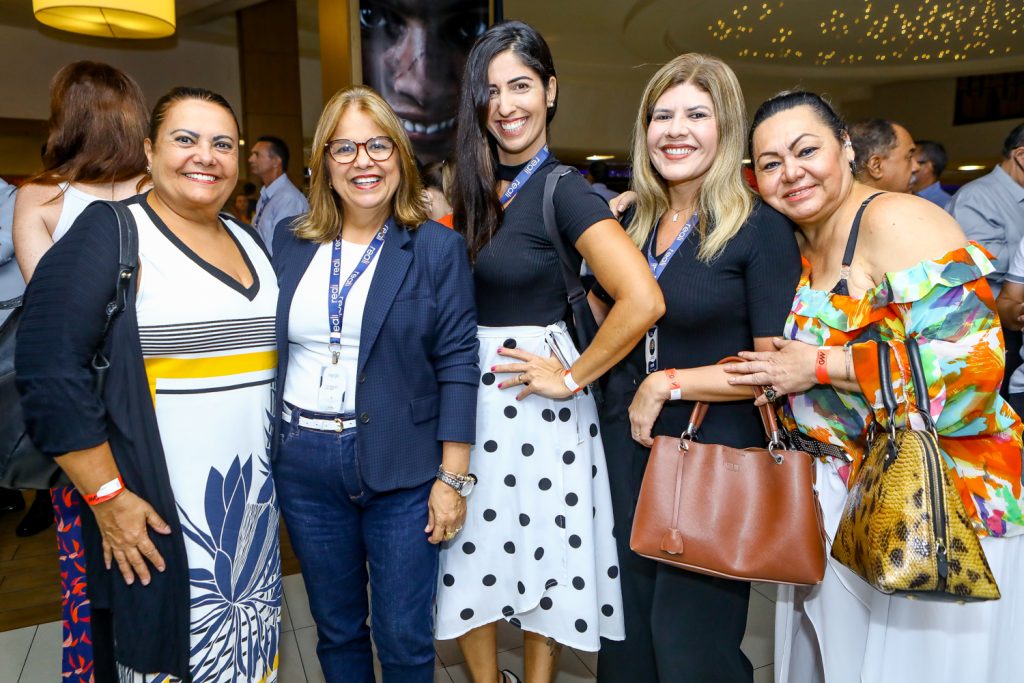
point(904, 529)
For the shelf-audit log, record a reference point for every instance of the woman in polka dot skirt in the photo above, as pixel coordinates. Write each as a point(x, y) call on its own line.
point(537, 546)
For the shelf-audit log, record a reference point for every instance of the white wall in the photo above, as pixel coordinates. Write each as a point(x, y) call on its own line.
point(30, 57)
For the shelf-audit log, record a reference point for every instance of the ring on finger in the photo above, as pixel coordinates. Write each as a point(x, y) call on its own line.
point(771, 393)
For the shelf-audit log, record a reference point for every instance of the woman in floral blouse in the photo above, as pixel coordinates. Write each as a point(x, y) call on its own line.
point(886, 267)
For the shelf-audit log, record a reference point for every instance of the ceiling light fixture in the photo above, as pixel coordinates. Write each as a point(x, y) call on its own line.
point(108, 18)
point(600, 157)
point(970, 167)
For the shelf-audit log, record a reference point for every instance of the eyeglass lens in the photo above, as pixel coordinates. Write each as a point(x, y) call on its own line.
point(378, 148)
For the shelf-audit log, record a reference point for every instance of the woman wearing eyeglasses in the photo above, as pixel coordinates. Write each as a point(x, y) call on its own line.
point(376, 399)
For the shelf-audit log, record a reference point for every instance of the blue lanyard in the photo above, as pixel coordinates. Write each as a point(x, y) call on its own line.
point(338, 292)
point(658, 267)
point(524, 175)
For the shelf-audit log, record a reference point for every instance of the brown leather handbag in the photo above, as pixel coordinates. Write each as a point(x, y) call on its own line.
point(749, 514)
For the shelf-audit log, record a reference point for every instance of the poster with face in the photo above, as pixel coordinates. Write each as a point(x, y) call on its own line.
point(413, 54)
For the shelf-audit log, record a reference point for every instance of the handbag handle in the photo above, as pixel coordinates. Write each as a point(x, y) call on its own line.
point(768, 419)
point(920, 384)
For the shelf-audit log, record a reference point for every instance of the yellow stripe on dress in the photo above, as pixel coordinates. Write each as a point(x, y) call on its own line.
point(162, 367)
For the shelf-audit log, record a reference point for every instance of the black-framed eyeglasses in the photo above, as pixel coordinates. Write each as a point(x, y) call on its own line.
point(345, 151)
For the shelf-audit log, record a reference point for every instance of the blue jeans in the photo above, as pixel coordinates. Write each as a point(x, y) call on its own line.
point(338, 527)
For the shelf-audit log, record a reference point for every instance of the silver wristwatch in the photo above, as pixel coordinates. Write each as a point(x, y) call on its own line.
point(463, 484)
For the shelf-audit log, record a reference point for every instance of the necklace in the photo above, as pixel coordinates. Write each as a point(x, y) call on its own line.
point(676, 212)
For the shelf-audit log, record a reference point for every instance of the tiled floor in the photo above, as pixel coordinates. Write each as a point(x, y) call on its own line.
point(31, 654)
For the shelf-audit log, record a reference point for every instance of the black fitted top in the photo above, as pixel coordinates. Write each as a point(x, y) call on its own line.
point(517, 274)
point(714, 310)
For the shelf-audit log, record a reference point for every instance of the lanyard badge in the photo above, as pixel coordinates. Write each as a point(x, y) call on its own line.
point(532, 165)
point(657, 268)
point(331, 396)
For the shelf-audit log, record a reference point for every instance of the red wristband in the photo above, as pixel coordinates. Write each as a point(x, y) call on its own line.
point(821, 366)
point(111, 489)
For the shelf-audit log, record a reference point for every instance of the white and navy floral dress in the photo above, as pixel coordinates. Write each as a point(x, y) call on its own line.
point(208, 347)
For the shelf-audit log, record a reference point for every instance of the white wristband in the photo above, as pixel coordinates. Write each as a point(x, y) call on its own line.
point(570, 383)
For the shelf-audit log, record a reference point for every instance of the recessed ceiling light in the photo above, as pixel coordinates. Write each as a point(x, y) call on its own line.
point(970, 167)
point(600, 157)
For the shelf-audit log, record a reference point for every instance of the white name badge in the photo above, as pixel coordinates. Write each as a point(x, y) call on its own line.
point(651, 349)
point(331, 397)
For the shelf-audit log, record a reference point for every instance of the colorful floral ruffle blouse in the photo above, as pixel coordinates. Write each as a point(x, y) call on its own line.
point(947, 305)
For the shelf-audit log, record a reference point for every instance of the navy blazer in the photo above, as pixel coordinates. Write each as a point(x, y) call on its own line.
point(418, 366)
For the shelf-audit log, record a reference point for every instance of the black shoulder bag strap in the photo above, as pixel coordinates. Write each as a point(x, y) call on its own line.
point(584, 323)
point(127, 263)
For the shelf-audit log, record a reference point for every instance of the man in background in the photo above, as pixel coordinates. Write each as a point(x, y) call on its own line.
point(599, 180)
point(990, 209)
point(931, 162)
point(12, 285)
point(883, 155)
point(279, 198)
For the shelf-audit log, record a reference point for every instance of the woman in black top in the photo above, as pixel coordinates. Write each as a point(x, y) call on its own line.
point(537, 547)
point(728, 268)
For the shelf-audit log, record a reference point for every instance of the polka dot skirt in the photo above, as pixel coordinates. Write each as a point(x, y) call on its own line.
point(537, 547)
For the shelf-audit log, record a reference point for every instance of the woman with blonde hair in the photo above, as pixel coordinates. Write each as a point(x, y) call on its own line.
point(727, 266)
point(376, 399)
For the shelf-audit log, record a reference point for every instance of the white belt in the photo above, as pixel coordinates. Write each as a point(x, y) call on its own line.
point(334, 425)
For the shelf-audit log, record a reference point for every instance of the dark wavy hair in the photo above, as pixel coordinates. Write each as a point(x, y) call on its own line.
point(96, 127)
point(477, 211)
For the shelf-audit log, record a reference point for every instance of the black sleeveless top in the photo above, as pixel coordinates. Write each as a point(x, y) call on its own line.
point(841, 287)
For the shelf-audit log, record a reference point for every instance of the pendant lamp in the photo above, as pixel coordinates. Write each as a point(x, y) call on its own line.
point(108, 18)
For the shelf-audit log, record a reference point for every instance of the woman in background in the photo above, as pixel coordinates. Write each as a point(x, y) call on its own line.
point(94, 150)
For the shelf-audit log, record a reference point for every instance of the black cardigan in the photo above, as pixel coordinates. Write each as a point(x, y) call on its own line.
point(61, 326)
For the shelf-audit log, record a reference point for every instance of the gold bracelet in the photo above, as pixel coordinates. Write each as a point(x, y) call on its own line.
point(848, 352)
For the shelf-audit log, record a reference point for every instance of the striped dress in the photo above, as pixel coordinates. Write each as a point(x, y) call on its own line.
point(208, 347)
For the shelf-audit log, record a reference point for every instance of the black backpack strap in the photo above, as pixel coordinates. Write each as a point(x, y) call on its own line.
point(573, 286)
point(127, 264)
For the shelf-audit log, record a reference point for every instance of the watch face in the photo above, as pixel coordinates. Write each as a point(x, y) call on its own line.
point(467, 487)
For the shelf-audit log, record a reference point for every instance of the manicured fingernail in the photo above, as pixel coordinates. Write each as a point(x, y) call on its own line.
point(500, 350)
point(492, 367)
point(129, 581)
point(501, 385)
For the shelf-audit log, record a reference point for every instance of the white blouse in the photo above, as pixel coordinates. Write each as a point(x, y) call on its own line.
point(309, 327)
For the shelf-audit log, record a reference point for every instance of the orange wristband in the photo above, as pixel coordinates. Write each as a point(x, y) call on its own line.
point(111, 489)
point(675, 392)
point(821, 366)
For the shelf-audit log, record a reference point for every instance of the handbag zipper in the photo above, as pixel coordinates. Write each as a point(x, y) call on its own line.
point(932, 459)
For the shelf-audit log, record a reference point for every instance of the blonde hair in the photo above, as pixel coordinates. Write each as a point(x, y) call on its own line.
point(325, 215)
point(725, 200)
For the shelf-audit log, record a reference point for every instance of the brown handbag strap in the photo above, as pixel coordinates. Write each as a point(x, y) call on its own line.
point(768, 419)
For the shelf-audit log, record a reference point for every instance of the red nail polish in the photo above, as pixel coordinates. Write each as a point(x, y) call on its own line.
point(492, 367)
